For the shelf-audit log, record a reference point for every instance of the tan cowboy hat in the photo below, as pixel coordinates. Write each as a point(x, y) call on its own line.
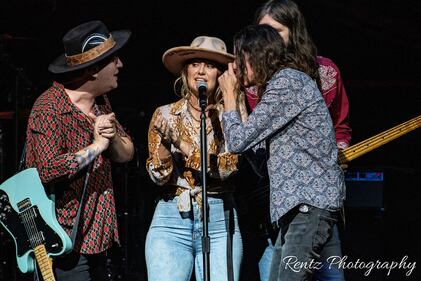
point(202, 47)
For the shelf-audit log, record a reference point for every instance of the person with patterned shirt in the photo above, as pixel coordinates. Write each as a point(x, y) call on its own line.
point(71, 130)
point(173, 244)
point(292, 123)
point(286, 17)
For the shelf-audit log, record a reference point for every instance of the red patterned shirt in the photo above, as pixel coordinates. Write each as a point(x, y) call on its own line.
point(57, 129)
point(334, 94)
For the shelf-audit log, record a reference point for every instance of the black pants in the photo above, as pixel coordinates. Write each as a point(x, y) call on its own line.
point(81, 267)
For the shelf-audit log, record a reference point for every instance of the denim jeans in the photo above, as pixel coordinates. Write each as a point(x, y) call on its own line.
point(332, 248)
point(173, 244)
point(325, 273)
point(303, 235)
point(265, 261)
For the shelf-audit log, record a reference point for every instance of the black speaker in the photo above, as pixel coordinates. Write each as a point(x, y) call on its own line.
point(365, 189)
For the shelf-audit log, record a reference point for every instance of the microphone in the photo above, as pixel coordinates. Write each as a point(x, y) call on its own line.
point(202, 88)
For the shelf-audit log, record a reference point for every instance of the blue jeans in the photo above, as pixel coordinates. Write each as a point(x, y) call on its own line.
point(265, 261)
point(325, 273)
point(303, 235)
point(173, 244)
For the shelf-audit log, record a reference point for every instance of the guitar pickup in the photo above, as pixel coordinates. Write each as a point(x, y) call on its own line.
point(24, 204)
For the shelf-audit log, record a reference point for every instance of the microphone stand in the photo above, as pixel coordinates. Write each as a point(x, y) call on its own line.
point(204, 165)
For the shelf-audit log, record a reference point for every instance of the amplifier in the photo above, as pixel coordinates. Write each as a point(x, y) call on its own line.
point(364, 189)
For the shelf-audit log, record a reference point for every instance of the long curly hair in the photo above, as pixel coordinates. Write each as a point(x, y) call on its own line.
point(299, 44)
point(266, 53)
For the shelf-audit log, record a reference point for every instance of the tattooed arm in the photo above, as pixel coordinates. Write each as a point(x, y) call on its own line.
point(86, 155)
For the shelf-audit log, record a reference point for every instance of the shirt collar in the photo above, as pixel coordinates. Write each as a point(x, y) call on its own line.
point(179, 107)
point(63, 102)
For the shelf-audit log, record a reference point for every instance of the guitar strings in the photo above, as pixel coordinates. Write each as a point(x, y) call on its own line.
point(36, 239)
point(31, 228)
point(37, 233)
point(24, 217)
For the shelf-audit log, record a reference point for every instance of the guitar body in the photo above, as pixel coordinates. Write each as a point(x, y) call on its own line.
point(29, 216)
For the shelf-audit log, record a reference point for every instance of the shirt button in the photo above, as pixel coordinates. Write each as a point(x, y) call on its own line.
point(303, 208)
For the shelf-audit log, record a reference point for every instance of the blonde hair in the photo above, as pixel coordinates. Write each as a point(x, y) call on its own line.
point(185, 92)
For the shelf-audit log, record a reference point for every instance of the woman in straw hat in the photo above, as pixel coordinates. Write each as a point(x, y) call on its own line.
point(173, 244)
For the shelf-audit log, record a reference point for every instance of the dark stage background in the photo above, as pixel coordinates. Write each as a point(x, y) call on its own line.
point(376, 45)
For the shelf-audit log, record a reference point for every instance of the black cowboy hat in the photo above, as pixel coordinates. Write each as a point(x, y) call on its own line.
point(87, 44)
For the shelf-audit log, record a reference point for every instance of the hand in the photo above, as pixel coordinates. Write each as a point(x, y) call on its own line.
point(228, 84)
point(167, 134)
point(344, 167)
point(228, 81)
point(99, 121)
point(161, 126)
point(106, 125)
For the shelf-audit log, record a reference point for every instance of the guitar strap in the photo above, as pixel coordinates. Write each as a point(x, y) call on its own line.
point(22, 159)
point(73, 234)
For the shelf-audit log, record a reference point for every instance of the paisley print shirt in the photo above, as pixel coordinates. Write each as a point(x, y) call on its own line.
point(334, 94)
point(293, 123)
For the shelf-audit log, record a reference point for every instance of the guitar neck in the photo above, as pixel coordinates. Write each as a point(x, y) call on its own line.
point(44, 263)
point(376, 141)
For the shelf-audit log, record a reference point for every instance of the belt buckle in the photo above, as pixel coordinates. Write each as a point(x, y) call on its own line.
point(303, 208)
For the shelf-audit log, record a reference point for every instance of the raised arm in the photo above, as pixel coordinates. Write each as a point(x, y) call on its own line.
point(47, 153)
point(121, 147)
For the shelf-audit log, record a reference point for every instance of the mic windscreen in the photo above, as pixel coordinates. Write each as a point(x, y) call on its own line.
point(202, 86)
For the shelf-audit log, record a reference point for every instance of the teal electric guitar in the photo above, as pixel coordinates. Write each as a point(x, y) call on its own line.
point(29, 216)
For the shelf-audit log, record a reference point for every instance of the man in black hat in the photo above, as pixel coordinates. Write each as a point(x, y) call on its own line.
point(72, 135)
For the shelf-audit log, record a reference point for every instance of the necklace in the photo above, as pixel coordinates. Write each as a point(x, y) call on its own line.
point(196, 123)
point(194, 118)
point(195, 108)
